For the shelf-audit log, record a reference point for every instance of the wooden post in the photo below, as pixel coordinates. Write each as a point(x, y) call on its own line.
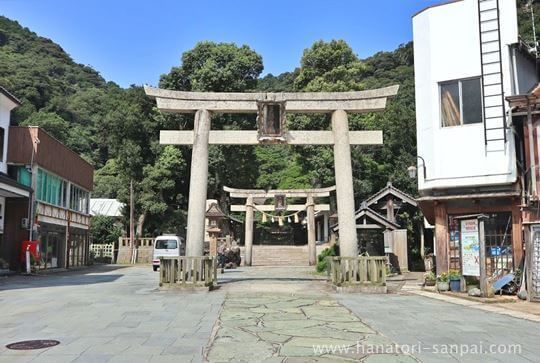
point(485, 286)
point(390, 209)
point(517, 236)
point(422, 241)
point(441, 237)
point(213, 244)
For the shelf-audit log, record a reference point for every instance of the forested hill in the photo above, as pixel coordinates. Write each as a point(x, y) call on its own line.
point(67, 98)
point(117, 129)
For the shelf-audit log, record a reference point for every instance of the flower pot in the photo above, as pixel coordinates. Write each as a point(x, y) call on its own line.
point(443, 286)
point(455, 285)
point(430, 282)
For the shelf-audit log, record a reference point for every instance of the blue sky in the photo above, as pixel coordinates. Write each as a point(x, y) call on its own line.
point(135, 41)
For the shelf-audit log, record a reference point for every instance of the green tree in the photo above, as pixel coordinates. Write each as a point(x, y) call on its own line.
point(160, 192)
point(104, 230)
point(55, 125)
point(330, 66)
point(218, 67)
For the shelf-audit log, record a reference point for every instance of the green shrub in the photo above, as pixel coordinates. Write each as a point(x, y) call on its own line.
point(322, 263)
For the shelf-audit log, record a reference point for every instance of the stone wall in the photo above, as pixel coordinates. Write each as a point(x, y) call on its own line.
point(145, 250)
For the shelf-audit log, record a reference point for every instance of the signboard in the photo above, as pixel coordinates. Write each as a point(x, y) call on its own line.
point(280, 202)
point(470, 247)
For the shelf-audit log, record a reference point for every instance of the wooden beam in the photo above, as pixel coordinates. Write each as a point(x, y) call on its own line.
point(271, 208)
point(230, 137)
point(368, 226)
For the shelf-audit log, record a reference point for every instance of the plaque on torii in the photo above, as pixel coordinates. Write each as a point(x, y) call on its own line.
point(271, 109)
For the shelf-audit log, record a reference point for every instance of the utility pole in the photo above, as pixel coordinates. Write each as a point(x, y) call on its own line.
point(131, 224)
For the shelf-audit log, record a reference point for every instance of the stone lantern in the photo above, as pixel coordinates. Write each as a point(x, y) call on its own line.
point(214, 216)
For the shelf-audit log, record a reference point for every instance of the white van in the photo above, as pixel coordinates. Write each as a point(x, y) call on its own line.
point(167, 246)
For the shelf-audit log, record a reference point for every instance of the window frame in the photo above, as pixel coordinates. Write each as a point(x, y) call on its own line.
point(460, 90)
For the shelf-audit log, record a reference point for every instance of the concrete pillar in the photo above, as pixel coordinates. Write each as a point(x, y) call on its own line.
point(198, 184)
point(319, 236)
point(249, 232)
point(348, 244)
point(312, 246)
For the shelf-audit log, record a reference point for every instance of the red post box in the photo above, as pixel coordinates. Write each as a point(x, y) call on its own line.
point(33, 248)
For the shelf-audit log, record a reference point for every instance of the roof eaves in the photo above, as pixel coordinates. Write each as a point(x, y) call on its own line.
point(435, 6)
point(6, 93)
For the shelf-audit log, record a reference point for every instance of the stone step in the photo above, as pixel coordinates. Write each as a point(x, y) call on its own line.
point(280, 255)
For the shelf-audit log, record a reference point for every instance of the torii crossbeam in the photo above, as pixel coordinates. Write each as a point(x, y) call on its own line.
point(271, 109)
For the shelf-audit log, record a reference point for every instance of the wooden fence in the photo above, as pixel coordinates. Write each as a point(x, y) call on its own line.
point(363, 273)
point(185, 272)
point(103, 251)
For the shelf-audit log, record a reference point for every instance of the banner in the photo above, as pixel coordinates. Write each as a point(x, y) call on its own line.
point(470, 248)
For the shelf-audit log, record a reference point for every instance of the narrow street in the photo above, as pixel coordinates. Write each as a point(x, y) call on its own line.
point(117, 314)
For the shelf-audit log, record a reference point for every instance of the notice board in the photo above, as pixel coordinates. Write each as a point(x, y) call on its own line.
point(470, 247)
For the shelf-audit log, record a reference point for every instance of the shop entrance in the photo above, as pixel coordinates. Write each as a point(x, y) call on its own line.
point(51, 246)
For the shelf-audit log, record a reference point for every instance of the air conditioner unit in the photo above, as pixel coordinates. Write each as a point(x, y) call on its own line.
point(24, 223)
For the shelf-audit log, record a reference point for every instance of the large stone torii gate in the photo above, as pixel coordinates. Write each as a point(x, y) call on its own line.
point(253, 195)
point(271, 108)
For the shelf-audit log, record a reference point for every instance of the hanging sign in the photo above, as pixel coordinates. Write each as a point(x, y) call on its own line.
point(280, 203)
point(470, 248)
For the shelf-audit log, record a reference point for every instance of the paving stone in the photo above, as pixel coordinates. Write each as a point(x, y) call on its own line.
point(273, 338)
point(389, 358)
point(131, 358)
point(252, 352)
point(56, 358)
point(347, 326)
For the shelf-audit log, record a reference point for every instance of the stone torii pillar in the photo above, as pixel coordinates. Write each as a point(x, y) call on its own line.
point(248, 234)
point(198, 185)
point(312, 243)
point(336, 103)
point(348, 245)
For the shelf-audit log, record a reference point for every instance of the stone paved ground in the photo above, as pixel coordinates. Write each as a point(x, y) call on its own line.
point(116, 314)
point(105, 314)
point(430, 325)
point(276, 314)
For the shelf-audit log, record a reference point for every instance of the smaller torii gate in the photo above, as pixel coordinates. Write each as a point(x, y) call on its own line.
point(253, 195)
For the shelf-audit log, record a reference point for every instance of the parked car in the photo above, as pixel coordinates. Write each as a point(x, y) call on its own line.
point(167, 246)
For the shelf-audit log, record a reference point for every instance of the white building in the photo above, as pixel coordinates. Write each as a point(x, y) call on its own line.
point(467, 61)
point(9, 188)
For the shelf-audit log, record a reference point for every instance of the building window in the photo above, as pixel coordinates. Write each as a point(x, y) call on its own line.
point(461, 102)
point(51, 189)
point(79, 199)
point(24, 176)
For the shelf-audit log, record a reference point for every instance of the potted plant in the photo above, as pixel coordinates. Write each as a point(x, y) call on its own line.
point(442, 282)
point(455, 280)
point(430, 279)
